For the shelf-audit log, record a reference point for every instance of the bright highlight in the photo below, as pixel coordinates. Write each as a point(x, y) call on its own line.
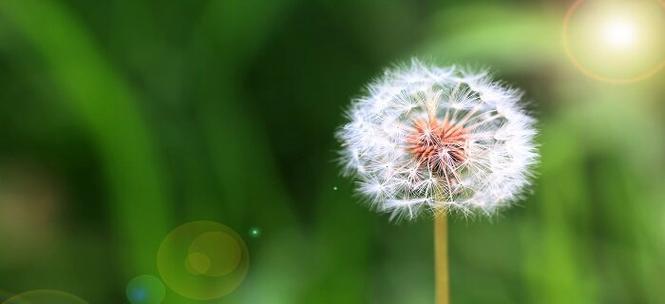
point(620, 33)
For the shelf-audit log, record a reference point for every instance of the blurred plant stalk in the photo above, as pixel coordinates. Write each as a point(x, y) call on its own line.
point(442, 280)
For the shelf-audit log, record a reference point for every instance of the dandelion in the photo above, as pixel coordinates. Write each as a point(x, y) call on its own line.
point(438, 140)
point(430, 138)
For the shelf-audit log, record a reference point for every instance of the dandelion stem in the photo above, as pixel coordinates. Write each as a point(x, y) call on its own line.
point(441, 258)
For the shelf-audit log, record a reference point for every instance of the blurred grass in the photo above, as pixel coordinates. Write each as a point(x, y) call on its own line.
point(225, 110)
point(109, 107)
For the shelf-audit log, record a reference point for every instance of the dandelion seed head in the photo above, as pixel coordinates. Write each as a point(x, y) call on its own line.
point(426, 139)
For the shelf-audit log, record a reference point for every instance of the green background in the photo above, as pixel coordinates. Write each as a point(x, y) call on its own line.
point(121, 120)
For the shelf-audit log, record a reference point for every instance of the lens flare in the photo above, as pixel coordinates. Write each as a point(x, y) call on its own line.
point(255, 232)
point(616, 41)
point(45, 296)
point(203, 260)
point(145, 289)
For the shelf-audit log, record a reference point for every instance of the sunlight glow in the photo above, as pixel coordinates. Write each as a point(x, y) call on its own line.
point(616, 41)
point(619, 33)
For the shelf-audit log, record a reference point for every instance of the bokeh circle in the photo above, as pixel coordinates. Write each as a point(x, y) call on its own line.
point(203, 260)
point(588, 62)
point(45, 296)
point(145, 289)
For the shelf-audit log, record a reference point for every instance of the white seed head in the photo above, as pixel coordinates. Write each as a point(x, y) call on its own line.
point(438, 139)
